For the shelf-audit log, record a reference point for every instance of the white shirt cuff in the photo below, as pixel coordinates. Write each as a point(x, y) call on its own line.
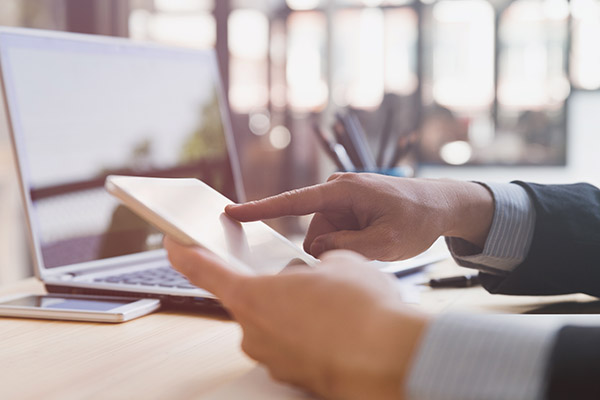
point(477, 357)
point(510, 234)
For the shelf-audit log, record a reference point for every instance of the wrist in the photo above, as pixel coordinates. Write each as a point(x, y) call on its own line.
point(401, 329)
point(393, 334)
point(408, 327)
point(471, 212)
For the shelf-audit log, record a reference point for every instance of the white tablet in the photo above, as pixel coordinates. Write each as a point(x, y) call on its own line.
point(193, 213)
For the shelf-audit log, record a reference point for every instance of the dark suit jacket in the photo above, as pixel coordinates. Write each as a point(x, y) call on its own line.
point(564, 258)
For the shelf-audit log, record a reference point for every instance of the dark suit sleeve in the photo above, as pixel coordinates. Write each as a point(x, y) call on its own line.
point(574, 368)
point(564, 256)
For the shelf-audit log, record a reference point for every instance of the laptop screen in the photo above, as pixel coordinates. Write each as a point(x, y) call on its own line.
point(83, 108)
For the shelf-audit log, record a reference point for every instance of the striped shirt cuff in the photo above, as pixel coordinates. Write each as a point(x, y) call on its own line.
point(476, 357)
point(510, 235)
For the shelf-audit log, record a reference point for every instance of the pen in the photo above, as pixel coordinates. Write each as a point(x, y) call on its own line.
point(343, 157)
point(404, 145)
point(329, 148)
point(343, 137)
point(460, 281)
point(359, 140)
point(385, 138)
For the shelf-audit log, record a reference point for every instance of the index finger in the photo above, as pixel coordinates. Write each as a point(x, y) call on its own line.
point(203, 268)
point(295, 202)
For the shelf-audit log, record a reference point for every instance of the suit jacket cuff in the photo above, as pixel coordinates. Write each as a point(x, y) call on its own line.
point(510, 235)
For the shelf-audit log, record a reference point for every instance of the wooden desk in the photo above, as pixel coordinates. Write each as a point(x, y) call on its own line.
point(166, 355)
point(159, 356)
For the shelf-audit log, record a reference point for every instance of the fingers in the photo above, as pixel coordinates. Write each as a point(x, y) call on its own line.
point(296, 202)
point(203, 268)
point(319, 225)
point(366, 242)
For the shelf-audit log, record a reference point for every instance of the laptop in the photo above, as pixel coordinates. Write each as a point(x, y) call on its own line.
point(83, 107)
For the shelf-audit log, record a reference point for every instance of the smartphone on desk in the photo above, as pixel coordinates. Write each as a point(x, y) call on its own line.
point(76, 307)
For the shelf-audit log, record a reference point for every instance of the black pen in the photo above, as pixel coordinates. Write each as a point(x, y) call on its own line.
point(460, 281)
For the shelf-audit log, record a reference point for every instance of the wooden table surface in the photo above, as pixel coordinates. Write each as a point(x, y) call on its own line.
point(170, 355)
point(165, 355)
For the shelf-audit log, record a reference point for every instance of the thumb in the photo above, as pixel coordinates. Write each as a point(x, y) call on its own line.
point(204, 269)
point(365, 242)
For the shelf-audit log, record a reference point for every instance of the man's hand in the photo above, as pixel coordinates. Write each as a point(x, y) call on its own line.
point(338, 330)
point(381, 217)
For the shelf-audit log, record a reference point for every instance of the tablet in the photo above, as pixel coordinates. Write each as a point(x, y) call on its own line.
point(193, 213)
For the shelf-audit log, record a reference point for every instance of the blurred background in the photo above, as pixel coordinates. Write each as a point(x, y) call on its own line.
point(486, 89)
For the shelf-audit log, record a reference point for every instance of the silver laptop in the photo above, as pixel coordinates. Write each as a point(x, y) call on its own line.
point(82, 107)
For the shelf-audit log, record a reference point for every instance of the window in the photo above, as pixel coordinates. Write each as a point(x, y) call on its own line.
point(305, 63)
point(496, 85)
point(462, 59)
point(533, 84)
point(48, 14)
point(175, 22)
point(585, 56)
point(248, 68)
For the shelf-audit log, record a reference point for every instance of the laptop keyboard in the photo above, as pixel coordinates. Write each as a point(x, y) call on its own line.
point(164, 277)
